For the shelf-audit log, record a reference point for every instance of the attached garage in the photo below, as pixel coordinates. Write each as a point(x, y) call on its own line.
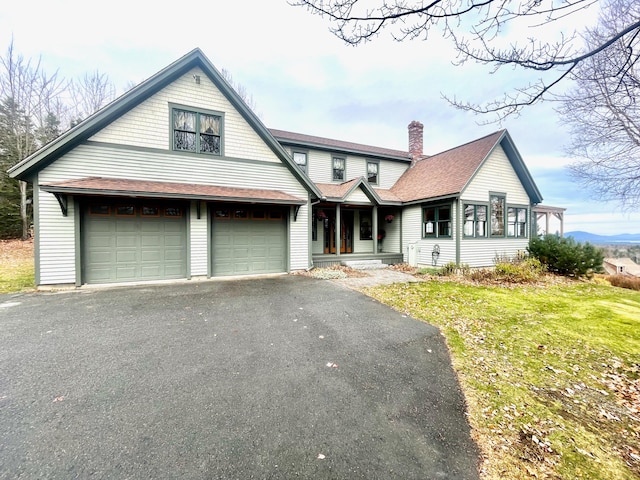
point(126, 241)
point(248, 241)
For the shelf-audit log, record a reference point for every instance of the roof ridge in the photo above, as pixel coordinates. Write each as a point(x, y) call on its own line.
point(322, 140)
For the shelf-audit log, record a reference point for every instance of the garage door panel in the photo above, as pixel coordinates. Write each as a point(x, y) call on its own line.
point(121, 249)
point(172, 240)
point(245, 246)
point(126, 256)
point(126, 241)
point(126, 273)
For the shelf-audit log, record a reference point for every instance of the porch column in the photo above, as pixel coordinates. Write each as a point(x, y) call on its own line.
point(338, 230)
point(374, 228)
point(546, 217)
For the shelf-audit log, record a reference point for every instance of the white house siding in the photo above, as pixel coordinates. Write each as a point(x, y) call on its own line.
point(482, 253)
point(198, 240)
point(412, 233)
point(299, 239)
point(497, 176)
point(317, 247)
point(320, 168)
point(391, 242)
point(357, 196)
point(148, 124)
point(389, 173)
point(56, 262)
point(56, 241)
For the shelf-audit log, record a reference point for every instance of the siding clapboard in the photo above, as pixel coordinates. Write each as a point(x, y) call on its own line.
point(320, 168)
point(148, 124)
point(496, 175)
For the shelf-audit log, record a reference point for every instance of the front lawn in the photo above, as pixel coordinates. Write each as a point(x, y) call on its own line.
point(550, 372)
point(16, 266)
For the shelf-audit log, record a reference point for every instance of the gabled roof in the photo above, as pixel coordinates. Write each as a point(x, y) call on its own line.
point(339, 192)
point(149, 189)
point(447, 174)
point(88, 127)
point(310, 141)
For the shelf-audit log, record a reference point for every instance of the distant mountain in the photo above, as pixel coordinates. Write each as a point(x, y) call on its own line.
point(604, 239)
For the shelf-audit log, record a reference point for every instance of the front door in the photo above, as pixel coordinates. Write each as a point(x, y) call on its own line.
point(346, 232)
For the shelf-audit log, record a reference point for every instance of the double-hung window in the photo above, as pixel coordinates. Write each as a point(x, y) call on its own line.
point(497, 203)
point(372, 172)
point(436, 221)
point(475, 221)
point(300, 158)
point(197, 132)
point(516, 222)
point(339, 165)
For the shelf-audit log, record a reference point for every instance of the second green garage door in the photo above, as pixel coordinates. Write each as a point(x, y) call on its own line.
point(248, 241)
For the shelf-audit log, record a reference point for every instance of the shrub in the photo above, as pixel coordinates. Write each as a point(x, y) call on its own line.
point(449, 269)
point(624, 281)
point(565, 256)
point(519, 270)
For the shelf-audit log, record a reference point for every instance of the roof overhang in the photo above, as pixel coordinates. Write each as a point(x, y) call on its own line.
point(118, 187)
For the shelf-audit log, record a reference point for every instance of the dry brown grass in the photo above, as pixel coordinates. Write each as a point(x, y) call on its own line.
point(16, 265)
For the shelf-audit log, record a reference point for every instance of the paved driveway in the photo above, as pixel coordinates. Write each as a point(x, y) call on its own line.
point(286, 377)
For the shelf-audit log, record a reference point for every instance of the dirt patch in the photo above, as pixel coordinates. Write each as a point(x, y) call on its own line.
point(13, 252)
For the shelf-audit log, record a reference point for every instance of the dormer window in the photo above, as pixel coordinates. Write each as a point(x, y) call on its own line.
point(197, 131)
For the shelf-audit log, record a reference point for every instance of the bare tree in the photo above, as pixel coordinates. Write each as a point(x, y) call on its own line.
point(240, 89)
point(26, 92)
point(477, 29)
point(603, 111)
point(90, 93)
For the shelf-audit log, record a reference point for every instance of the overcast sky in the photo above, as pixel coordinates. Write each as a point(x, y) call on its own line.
point(304, 79)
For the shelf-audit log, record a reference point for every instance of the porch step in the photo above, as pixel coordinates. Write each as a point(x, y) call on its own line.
point(364, 264)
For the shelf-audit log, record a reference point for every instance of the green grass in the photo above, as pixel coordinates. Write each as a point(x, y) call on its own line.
point(16, 276)
point(540, 366)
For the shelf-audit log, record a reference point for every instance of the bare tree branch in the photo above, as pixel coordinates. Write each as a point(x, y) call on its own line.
point(475, 28)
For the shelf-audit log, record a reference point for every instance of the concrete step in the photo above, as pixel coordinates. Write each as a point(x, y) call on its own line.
point(364, 264)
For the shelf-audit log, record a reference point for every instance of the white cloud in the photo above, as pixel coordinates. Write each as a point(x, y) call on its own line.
point(304, 79)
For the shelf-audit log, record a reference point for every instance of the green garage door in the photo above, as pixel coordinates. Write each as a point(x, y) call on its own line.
point(248, 241)
point(133, 242)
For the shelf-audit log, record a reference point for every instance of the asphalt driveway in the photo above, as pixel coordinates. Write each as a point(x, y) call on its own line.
point(285, 377)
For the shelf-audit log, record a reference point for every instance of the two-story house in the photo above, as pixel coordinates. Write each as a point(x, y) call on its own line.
point(179, 179)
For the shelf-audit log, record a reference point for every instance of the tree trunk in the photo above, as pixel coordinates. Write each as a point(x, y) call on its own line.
point(23, 210)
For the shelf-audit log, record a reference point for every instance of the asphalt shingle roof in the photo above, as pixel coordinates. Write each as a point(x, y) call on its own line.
point(300, 138)
point(121, 186)
point(445, 173)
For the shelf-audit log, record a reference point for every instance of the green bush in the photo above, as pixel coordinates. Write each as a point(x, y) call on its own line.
point(565, 256)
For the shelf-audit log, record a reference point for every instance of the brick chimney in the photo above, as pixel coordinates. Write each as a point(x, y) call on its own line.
point(415, 140)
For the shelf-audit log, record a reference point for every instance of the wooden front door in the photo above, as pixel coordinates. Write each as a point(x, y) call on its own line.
point(346, 232)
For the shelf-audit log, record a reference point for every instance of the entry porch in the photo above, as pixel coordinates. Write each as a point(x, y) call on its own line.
point(343, 232)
